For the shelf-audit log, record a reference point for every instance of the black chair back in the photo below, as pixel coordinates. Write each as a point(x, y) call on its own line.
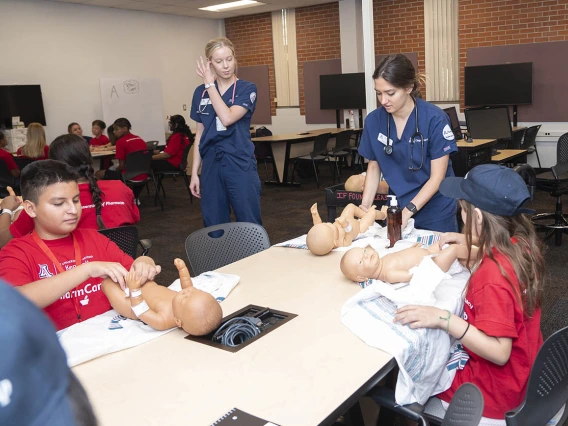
point(152, 145)
point(529, 176)
point(219, 245)
point(125, 237)
point(342, 141)
point(22, 162)
point(547, 389)
point(517, 139)
point(6, 179)
point(137, 163)
point(466, 407)
point(183, 164)
point(320, 145)
point(530, 137)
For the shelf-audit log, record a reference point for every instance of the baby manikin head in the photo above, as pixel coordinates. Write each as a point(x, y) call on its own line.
point(196, 311)
point(321, 239)
point(361, 264)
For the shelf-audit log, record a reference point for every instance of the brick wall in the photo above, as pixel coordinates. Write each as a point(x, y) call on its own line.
point(399, 28)
point(317, 37)
point(252, 37)
point(486, 23)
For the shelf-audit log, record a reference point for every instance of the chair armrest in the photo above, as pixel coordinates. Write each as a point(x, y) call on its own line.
point(146, 246)
point(384, 397)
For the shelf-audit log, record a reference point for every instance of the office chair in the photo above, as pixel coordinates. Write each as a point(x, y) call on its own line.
point(517, 139)
point(529, 176)
point(319, 153)
point(152, 145)
point(6, 179)
point(529, 142)
point(555, 182)
point(465, 409)
point(216, 246)
point(341, 150)
point(22, 162)
point(126, 238)
point(139, 163)
point(181, 172)
point(547, 390)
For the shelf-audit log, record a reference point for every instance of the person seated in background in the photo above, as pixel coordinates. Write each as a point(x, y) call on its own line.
point(75, 129)
point(99, 140)
point(35, 146)
point(171, 158)
point(363, 264)
point(194, 310)
point(126, 143)
point(105, 204)
point(58, 267)
point(38, 386)
point(7, 157)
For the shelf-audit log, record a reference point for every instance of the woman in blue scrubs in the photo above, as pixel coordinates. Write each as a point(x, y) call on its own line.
point(222, 107)
point(410, 141)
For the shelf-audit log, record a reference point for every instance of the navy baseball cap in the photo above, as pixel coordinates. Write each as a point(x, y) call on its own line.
point(34, 375)
point(491, 188)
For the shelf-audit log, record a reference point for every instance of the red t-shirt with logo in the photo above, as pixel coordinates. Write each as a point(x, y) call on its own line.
point(45, 155)
point(8, 159)
point(492, 306)
point(175, 148)
point(22, 261)
point(127, 144)
point(101, 140)
point(119, 209)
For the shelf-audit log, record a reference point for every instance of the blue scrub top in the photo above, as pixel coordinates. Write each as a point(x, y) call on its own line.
point(235, 140)
point(439, 140)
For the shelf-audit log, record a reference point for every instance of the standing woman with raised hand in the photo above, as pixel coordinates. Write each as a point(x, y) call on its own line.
point(410, 141)
point(222, 107)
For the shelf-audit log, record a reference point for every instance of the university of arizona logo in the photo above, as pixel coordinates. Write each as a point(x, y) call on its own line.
point(44, 271)
point(5, 392)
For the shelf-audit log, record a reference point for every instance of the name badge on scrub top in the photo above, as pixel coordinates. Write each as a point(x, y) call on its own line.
point(383, 139)
point(220, 126)
point(205, 101)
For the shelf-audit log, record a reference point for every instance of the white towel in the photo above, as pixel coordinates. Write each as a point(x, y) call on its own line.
point(111, 332)
point(420, 353)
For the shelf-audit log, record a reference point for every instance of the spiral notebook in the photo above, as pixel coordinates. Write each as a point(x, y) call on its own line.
point(236, 417)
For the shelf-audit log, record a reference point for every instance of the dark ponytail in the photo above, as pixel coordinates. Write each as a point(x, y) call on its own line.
point(397, 70)
point(178, 125)
point(74, 150)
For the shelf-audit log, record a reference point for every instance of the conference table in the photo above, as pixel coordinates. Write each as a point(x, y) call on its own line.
point(102, 155)
point(308, 371)
point(508, 155)
point(292, 145)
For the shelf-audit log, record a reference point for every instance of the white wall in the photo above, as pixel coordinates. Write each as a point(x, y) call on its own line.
point(67, 47)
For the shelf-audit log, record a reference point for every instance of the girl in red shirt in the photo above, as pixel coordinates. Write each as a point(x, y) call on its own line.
point(500, 327)
point(35, 146)
point(172, 156)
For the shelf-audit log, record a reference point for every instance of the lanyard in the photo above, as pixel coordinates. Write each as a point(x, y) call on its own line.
point(202, 111)
point(57, 264)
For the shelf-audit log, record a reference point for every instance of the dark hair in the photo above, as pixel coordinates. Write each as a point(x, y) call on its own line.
point(99, 123)
point(73, 150)
point(79, 401)
point(398, 70)
point(111, 136)
point(2, 135)
point(43, 173)
point(70, 126)
point(122, 122)
point(179, 126)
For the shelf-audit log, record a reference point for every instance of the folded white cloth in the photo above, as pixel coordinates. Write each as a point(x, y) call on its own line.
point(111, 332)
point(420, 353)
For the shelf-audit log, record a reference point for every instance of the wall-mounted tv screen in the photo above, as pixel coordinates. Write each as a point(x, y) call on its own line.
point(343, 91)
point(24, 101)
point(506, 84)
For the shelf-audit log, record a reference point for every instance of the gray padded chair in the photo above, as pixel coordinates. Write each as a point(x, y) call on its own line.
point(465, 409)
point(547, 390)
point(219, 245)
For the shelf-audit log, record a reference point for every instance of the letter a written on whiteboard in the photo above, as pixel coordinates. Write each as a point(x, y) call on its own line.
point(114, 91)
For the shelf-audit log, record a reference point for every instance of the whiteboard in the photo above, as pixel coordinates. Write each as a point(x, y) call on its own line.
point(137, 99)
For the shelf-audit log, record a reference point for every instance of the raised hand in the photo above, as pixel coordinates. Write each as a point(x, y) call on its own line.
point(204, 71)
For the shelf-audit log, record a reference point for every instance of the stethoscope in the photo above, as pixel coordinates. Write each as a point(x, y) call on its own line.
point(202, 111)
point(416, 137)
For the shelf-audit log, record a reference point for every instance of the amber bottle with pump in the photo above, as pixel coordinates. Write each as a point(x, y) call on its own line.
point(394, 221)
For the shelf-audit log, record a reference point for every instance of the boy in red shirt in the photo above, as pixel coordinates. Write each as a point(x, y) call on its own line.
point(58, 267)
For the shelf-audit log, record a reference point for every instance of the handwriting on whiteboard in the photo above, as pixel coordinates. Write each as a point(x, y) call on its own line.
point(131, 87)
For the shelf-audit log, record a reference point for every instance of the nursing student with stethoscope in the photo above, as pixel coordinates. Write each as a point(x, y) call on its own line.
point(222, 107)
point(410, 141)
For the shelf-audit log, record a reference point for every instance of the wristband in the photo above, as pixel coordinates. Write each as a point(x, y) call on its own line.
point(7, 211)
point(463, 335)
point(140, 309)
point(208, 85)
point(448, 320)
point(135, 293)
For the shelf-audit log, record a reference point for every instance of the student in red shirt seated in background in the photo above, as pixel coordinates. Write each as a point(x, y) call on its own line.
point(58, 267)
point(7, 157)
point(75, 129)
point(171, 158)
point(99, 140)
point(35, 146)
point(105, 204)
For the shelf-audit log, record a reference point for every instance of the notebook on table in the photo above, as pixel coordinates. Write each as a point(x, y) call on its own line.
point(236, 417)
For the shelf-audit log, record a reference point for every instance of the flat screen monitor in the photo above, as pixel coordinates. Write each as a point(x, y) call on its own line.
point(343, 91)
point(506, 84)
point(488, 123)
point(24, 101)
point(454, 121)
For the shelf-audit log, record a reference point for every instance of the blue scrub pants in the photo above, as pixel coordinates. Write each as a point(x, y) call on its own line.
point(225, 185)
